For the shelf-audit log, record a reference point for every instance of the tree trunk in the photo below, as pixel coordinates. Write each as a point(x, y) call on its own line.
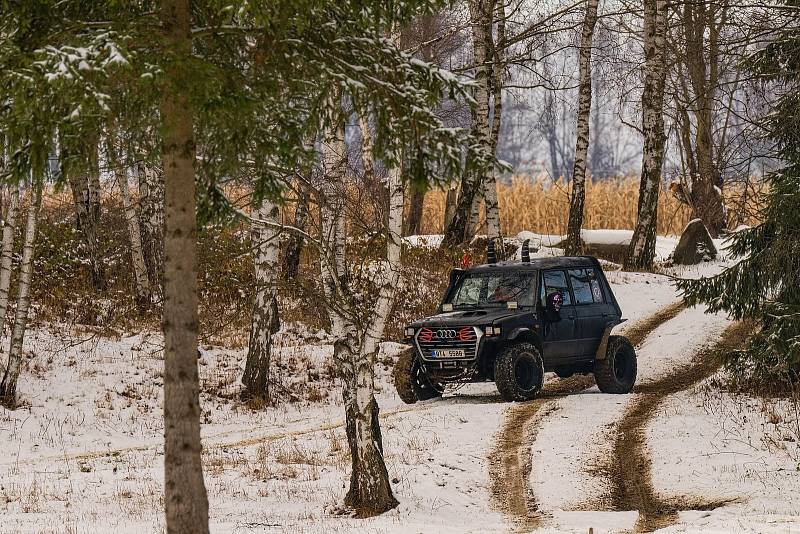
point(332, 220)
point(416, 203)
point(294, 244)
point(493, 229)
point(184, 490)
point(450, 203)
point(576, 201)
point(9, 227)
point(151, 221)
point(143, 296)
point(474, 222)
point(701, 33)
point(370, 492)
point(8, 387)
point(641, 251)
point(265, 248)
point(472, 183)
point(85, 187)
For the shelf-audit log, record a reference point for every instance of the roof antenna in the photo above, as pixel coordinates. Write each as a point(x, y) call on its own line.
point(491, 255)
point(526, 253)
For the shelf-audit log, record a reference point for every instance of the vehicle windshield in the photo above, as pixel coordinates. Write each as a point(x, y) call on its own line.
point(494, 289)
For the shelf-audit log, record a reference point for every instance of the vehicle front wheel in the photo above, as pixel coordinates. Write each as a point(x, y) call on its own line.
point(616, 373)
point(410, 380)
point(519, 372)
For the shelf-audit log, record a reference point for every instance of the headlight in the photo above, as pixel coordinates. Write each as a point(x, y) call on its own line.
point(489, 331)
point(409, 332)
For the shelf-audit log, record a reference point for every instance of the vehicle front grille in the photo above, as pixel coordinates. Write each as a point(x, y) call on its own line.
point(465, 338)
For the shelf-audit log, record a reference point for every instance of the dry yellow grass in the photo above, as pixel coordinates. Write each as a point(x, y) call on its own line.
point(542, 205)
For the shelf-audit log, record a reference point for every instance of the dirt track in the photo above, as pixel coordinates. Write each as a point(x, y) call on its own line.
point(631, 468)
point(510, 461)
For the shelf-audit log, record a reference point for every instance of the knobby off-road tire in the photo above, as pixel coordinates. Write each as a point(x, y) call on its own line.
point(616, 373)
point(410, 380)
point(519, 372)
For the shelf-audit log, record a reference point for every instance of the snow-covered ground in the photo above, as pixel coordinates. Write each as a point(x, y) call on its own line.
point(83, 452)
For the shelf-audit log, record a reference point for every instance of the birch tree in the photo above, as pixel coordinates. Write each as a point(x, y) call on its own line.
point(356, 345)
point(8, 386)
point(151, 221)
point(497, 48)
point(472, 184)
point(140, 276)
point(332, 220)
point(6, 256)
point(578, 193)
point(264, 322)
point(641, 251)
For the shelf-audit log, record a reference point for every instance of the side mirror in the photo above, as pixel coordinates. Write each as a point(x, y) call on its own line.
point(553, 305)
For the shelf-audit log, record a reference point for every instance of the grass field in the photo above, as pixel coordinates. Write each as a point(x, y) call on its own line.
point(542, 205)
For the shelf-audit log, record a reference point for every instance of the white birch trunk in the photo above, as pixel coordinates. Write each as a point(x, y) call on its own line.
point(9, 227)
point(641, 251)
point(143, 295)
point(493, 229)
point(370, 492)
point(577, 198)
point(461, 227)
point(333, 224)
point(264, 323)
point(140, 277)
point(8, 387)
point(151, 221)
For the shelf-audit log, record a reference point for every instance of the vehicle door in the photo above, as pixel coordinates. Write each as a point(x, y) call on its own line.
point(558, 339)
point(591, 309)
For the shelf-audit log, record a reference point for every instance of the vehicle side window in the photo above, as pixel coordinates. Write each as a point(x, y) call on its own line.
point(556, 281)
point(597, 288)
point(581, 280)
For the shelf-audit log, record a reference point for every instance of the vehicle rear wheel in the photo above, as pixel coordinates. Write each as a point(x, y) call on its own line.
point(519, 372)
point(616, 373)
point(410, 380)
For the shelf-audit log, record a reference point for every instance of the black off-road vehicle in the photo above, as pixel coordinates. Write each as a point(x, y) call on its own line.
point(510, 322)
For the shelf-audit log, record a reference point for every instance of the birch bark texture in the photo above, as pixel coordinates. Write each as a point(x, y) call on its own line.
point(7, 254)
point(578, 193)
point(497, 48)
point(265, 249)
point(370, 491)
point(185, 495)
point(141, 279)
point(332, 223)
point(143, 294)
point(8, 386)
point(472, 183)
point(641, 251)
point(151, 221)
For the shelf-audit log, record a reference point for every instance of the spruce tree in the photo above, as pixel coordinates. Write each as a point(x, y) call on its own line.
point(765, 284)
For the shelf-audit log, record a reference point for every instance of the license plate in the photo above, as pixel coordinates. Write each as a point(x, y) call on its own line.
point(447, 353)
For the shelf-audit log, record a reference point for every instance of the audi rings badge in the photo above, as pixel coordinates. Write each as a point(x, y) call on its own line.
point(446, 334)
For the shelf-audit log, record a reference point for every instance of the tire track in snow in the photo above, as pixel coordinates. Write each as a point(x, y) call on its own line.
point(510, 458)
point(631, 468)
point(214, 441)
